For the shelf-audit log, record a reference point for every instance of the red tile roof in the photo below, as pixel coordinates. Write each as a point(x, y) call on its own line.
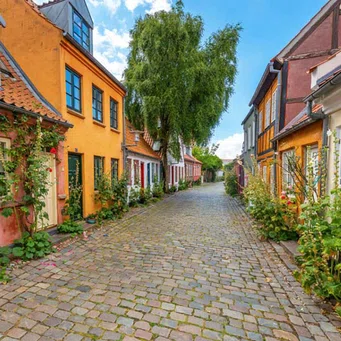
point(17, 90)
point(191, 159)
point(142, 147)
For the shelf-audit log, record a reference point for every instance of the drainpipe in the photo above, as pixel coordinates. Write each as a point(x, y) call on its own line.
point(124, 149)
point(278, 104)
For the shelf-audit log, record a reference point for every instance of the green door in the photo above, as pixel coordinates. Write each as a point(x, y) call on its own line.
point(75, 181)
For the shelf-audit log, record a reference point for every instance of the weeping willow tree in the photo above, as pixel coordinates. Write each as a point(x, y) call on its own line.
point(178, 84)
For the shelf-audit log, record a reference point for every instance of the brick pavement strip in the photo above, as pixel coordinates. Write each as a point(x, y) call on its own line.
point(189, 268)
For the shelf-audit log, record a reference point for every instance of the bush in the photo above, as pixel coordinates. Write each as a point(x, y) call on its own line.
point(198, 182)
point(172, 189)
point(4, 261)
point(70, 226)
point(32, 247)
point(183, 184)
point(231, 183)
point(134, 196)
point(277, 218)
point(157, 190)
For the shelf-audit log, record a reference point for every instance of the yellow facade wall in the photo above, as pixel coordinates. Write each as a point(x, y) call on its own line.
point(43, 53)
point(298, 141)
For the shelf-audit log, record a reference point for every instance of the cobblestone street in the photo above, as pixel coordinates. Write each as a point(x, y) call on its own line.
point(188, 268)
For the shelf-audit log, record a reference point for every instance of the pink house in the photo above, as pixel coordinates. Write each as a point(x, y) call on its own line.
point(19, 98)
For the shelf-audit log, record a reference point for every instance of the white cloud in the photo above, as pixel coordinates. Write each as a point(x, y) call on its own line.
point(155, 5)
point(230, 147)
point(110, 49)
point(39, 2)
point(112, 5)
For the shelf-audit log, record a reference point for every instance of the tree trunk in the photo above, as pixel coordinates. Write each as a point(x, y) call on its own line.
point(165, 169)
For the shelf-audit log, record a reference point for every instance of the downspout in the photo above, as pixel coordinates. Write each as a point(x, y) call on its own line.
point(278, 104)
point(124, 149)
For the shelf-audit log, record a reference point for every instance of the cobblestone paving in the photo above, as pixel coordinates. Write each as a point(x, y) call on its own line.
point(189, 268)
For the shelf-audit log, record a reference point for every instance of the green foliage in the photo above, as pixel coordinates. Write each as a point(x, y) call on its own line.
point(210, 161)
point(32, 247)
point(119, 202)
point(145, 196)
point(173, 74)
point(157, 190)
point(73, 204)
point(338, 311)
point(183, 184)
point(4, 261)
point(231, 183)
point(71, 227)
point(104, 189)
point(105, 214)
point(197, 182)
point(277, 219)
point(172, 189)
point(134, 196)
point(320, 233)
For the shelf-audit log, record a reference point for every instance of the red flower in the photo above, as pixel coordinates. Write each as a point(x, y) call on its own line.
point(53, 151)
point(289, 202)
point(283, 197)
point(49, 169)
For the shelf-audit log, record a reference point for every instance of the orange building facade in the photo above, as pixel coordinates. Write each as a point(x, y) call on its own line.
point(60, 64)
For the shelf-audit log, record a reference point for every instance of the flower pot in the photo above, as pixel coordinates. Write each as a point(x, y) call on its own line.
point(91, 220)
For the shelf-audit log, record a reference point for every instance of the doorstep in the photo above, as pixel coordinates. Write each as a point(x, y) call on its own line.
point(291, 247)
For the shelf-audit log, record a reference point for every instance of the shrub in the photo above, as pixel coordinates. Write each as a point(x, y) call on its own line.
point(119, 202)
point(145, 195)
point(198, 182)
point(231, 183)
point(157, 190)
point(276, 218)
point(183, 184)
point(172, 189)
point(4, 261)
point(70, 226)
point(134, 195)
point(32, 247)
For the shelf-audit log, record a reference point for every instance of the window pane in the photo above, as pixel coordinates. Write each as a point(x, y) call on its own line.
point(76, 93)
point(68, 75)
point(69, 88)
point(68, 100)
point(77, 31)
point(77, 104)
point(76, 81)
point(93, 113)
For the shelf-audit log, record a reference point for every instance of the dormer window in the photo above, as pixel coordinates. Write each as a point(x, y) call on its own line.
point(81, 31)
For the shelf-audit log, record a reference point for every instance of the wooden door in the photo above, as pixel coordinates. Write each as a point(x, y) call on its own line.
point(75, 178)
point(142, 174)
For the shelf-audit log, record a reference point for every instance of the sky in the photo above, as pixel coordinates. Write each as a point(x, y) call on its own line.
point(268, 25)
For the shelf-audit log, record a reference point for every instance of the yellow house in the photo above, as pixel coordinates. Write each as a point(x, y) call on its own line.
point(53, 45)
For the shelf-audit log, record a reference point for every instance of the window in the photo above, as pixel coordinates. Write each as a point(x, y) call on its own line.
point(153, 172)
point(245, 141)
point(267, 113)
point(81, 31)
point(136, 172)
point(157, 172)
point(287, 179)
point(4, 188)
point(260, 122)
point(253, 133)
point(113, 114)
point(130, 180)
point(249, 137)
point(98, 169)
point(114, 169)
point(272, 178)
point(73, 90)
point(97, 104)
point(274, 106)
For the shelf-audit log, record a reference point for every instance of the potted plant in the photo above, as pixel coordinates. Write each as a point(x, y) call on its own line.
point(91, 219)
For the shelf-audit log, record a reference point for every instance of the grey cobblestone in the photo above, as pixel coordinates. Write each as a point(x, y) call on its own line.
point(191, 268)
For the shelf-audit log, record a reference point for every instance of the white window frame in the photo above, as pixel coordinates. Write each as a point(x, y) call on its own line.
point(265, 173)
point(253, 134)
point(7, 142)
point(287, 179)
point(274, 105)
point(249, 137)
point(260, 122)
point(267, 113)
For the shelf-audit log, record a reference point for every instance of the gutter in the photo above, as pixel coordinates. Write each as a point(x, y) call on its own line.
point(124, 149)
point(15, 109)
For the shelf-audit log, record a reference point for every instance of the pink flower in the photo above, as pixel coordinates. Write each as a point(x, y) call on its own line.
point(290, 187)
point(284, 193)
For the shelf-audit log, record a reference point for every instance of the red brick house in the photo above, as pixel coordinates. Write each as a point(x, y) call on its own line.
point(192, 167)
point(19, 97)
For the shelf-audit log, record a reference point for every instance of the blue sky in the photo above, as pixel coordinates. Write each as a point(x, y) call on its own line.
point(268, 25)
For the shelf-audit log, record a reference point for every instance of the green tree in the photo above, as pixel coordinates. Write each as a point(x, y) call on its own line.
point(178, 85)
point(210, 162)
